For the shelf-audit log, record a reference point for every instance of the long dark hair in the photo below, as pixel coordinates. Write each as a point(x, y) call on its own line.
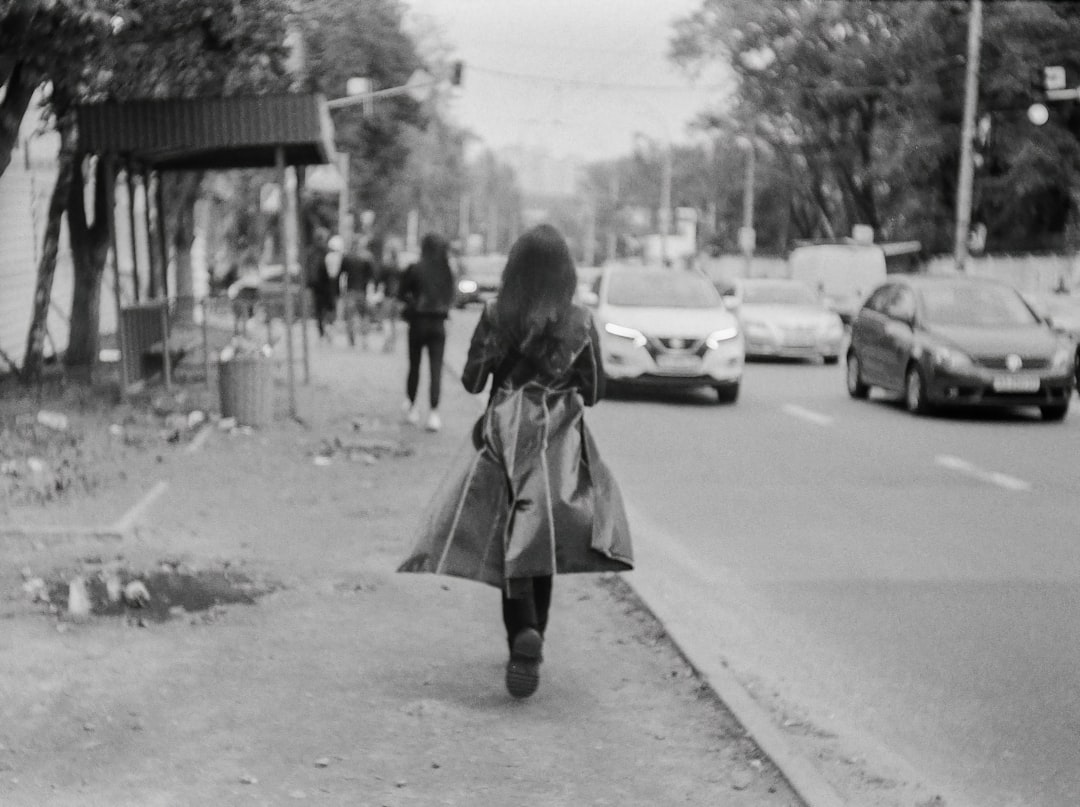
point(536, 296)
point(434, 251)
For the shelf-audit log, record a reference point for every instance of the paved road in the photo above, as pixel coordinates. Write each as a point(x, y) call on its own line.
point(910, 580)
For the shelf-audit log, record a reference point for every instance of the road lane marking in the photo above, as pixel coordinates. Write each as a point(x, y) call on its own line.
point(808, 414)
point(200, 438)
point(127, 521)
point(993, 477)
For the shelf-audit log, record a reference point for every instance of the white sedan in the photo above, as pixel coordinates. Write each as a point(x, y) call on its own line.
point(785, 318)
point(668, 328)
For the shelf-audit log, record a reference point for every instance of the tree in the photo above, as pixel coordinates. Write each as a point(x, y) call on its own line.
point(346, 39)
point(860, 102)
point(137, 49)
point(40, 41)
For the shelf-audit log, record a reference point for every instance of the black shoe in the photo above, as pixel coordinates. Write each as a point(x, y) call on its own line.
point(523, 669)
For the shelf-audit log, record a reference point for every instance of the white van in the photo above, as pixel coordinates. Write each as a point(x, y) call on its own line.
point(843, 274)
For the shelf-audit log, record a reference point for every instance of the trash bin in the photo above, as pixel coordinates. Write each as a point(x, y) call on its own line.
point(246, 384)
point(142, 326)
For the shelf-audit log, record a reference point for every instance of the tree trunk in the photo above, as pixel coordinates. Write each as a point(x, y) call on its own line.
point(35, 340)
point(183, 202)
point(19, 89)
point(89, 251)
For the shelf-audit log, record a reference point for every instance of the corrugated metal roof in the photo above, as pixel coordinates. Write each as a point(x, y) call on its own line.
point(208, 133)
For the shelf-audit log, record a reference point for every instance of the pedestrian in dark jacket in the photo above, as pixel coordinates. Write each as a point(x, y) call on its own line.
point(355, 280)
point(319, 281)
point(530, 497)
point(427, 291)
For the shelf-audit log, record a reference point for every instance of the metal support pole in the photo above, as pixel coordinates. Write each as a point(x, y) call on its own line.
point(967, 136)
point(300, 246)
point(163, 234)
point(129, 174)
point(344, 224)
point(155, 287)
point(279, 161)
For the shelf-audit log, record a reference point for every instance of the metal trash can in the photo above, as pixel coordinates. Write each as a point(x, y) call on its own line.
point(142, 326)
point(246, 385)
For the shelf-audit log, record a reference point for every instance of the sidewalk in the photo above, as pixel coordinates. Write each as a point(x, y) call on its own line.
point(346, 683)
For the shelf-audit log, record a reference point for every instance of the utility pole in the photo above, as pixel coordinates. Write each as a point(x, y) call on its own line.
point(665, 204)
point(967, 135)
point(747, 236)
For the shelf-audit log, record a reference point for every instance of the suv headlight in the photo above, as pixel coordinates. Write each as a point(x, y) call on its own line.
point(714, 339)
point(467, 286)
point(951, 359)
point(1063, 358)
point(633, 334)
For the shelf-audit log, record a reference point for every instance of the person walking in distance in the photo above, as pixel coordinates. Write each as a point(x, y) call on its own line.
point(427, 290)
point(319, 281)
point(530, 497)
point(356, 278)
point(387, 291)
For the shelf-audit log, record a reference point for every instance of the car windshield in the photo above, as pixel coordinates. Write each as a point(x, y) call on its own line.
point(974, 305)
point(778, 293)
point(662, 289)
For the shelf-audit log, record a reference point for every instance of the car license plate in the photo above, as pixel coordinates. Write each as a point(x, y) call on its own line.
point(679, 364)
point(1016, 383)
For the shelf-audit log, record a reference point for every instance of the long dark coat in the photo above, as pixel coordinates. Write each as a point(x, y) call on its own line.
point(535, 499)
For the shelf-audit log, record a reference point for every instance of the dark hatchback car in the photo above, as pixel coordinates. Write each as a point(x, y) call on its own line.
point(960, 341)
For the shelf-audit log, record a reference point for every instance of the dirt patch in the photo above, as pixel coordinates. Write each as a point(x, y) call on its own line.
point(172, 591)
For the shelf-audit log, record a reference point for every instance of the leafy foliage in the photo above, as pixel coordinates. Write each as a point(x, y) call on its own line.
point(858, 105)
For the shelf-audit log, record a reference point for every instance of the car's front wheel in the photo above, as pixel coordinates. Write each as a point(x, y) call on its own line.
point(727, 393)
point(856, 387)
point(915, 391)
point(1054, 412)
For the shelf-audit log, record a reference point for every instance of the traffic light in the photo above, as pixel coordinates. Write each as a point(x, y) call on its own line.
point(1053, 78)
point(456, 71)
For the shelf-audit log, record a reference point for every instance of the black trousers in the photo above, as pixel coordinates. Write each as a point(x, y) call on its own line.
point(430, 333)
point(325, 304)
point(529, 610)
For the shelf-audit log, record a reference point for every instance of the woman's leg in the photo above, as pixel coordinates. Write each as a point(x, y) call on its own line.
point(518, 614)
point(524, 629)
point(529, 610)
point(436, 345)
point(542, 601)
point(416, 347)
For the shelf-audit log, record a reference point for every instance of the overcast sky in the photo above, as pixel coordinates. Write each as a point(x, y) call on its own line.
point(569, 74)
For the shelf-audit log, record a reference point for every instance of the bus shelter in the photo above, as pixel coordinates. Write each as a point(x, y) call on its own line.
point(202, 134)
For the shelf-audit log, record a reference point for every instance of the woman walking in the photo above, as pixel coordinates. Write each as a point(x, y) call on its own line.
point(427, 290)
point(531, 498)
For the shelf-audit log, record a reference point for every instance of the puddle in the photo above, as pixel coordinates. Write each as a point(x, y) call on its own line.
point(169, 592)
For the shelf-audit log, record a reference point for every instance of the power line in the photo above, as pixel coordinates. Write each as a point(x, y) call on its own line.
point(602, 85)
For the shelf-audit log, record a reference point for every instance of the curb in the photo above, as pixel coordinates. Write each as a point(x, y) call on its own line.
point(809, 785)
